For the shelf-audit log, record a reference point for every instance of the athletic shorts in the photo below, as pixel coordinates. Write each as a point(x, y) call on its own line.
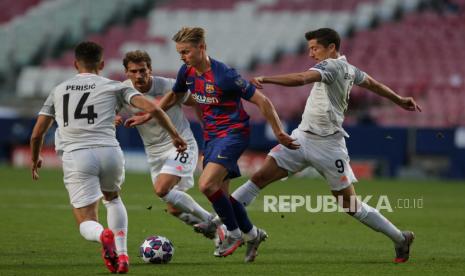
point(328, 155)
point(175, 163)
point(226, 151)
point(88, 172)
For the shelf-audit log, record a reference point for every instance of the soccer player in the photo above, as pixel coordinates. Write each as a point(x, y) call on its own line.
point(171, 171)
point(218, 90)
point(322, 137)
point(93, 164)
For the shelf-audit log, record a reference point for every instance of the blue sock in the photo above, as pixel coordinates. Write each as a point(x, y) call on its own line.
point(223, 208)
point(241, 216)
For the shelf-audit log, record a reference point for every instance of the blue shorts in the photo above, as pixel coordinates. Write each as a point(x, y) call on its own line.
point(226, 151)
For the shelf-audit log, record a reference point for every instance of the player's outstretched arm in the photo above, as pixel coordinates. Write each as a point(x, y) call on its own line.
point(407, 103)
point(190, 101)
point(137, 120)
point(293, 79)
point(268, 110)
point(162, 119)
point(43, 123)
point(168, 101)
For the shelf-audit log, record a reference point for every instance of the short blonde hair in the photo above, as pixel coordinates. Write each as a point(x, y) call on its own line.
point(194, 35)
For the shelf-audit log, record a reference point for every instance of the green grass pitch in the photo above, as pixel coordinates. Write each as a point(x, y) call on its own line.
point(38, 235)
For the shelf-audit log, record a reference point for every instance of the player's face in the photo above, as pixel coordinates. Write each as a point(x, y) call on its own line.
point(190, 54)
point(318, 51)
point(139, 74)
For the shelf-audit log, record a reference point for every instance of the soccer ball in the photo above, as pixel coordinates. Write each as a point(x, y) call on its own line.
point(156, 250)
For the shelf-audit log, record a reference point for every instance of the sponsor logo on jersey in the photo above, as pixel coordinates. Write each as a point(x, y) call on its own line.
point(205, 100)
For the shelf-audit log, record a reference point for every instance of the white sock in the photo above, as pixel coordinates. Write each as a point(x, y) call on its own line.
point(189, 219)
point(376, 221)
point(187, 204)
point(252, 234)
point(91, 230)
point(117, 219)
point(217, 221)
point(246, 193)
point(236, 233)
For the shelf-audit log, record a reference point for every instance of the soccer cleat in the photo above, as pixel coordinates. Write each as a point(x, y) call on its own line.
point(229, 245)
point(123, 264)
point(221, 234)
point(252, 246)
point(207, 228)
point(109, 255)
point(403, 251)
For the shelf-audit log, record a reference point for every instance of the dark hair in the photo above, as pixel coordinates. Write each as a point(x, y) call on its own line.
point(325, 36)
point(136, 57)
point(89, 53)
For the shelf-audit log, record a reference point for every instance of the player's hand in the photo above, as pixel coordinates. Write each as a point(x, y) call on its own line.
point(180, 144)
point(136, 120)
point(118, 120)
point(408, 103)
point(257, 82)
point(287, 141)
point(36, 165)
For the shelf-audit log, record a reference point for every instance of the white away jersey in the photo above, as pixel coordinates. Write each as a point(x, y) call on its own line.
point(84, 108)
point(328, 100)
point(155, 137)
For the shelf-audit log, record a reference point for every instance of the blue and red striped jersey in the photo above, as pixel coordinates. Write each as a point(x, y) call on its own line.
point(218, 93)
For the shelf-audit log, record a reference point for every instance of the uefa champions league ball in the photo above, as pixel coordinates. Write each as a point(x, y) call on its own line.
point(156, 250)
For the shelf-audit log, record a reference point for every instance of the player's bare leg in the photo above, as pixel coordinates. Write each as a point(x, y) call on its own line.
point(268, 173)
point(376, 221)
point(180, 204)
point(212, 178)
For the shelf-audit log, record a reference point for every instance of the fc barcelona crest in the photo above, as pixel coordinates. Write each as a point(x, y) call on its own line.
point(210, 88)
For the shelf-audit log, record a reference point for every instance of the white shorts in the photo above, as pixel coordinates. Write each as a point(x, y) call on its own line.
point(328, 155)
point(88, 172)
point(174, 163)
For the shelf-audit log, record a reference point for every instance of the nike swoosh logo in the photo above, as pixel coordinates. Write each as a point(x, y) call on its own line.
point(221, 157)
point(189, 83)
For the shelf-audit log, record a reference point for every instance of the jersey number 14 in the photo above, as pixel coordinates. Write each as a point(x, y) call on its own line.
point(90, 115)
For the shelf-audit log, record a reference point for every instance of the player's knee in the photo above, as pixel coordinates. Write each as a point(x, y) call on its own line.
point(350, 204)
point(161, 190)
point(109, 196)
point(207, 188)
